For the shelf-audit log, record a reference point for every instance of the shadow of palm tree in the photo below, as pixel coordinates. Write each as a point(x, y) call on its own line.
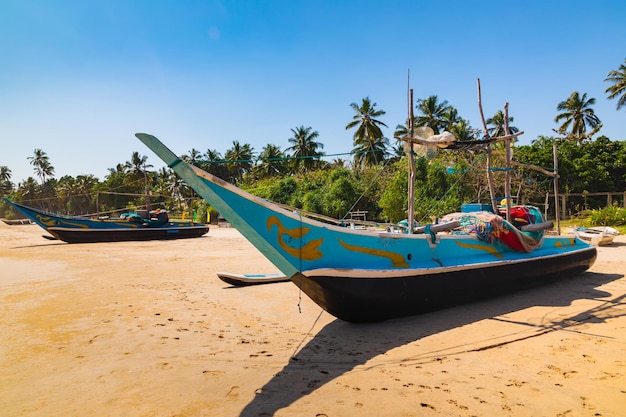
point(339, 347)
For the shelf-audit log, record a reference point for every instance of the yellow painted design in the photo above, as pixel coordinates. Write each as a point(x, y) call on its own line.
point(50, 222)
point(396, 259)
point(489, 249)
point(564, 242)
point(308, 252)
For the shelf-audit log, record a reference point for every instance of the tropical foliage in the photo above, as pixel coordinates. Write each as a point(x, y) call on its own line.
point(377, 181)
point(577, 115)
point(618, 89)
point(370, 145)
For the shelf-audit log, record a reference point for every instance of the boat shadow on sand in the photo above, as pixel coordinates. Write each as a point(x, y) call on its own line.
point(340, 347)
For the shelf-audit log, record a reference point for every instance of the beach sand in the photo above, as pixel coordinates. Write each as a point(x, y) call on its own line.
point(147, 329)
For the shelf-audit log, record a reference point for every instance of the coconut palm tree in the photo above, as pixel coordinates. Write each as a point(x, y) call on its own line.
point(304, 147)
point(370, 145)
point(41, 162)
point(28, 190)
point(271, 162)
point(193, 157)
point(137, 171)
point(498, 126)
point(463, 132)
point(214, 164)
point(239, 159)
point(433, 113)
point(618, 89)
point(6, 186)
point(137, 165)
point(577, 115)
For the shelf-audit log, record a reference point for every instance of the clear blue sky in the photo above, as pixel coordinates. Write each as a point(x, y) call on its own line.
point(78, 78)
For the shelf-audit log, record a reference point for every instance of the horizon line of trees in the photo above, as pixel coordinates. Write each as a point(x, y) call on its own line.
point(577, 121)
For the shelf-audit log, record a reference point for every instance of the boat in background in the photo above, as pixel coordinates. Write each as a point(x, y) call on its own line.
point(13, 222)
point(245, 280)
point(363, 276)
point(597, 235)
point(139, 225)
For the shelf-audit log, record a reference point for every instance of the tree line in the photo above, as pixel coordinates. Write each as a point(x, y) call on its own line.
point(372, 177)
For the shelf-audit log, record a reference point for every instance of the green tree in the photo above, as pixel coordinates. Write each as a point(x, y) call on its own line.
point(28, 190)
point(271, 162)
point(6, 186)
point(433, 113)
point(498, 126)
point(214, 164)
point(463, 132)
point(576, 116)
point(138, 172)
point(304, 147)
point(41, 162)
point(618, 89)
point(370, 145)
point(239, 159)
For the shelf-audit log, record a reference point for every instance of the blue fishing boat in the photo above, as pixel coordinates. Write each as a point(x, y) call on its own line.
point(139, 225)
point(364, 276)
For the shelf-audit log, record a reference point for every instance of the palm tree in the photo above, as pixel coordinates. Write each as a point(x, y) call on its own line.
point(498, 125)
point(214, 164)
point(5, 173)
point(304, 147)
point(137, 170)
point(28, 190)
point(119, 168)
point(271, 161)
point(240, 160)
point(6, 186)
point(463, 132)
point(137, 164)
point(434, 114)
point(618, 89)
point(370, 145)
point(193, 157)
point(450, 118)
point(578, 114)
point(41, 162)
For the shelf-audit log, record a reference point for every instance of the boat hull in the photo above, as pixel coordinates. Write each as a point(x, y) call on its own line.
point(245, 280)
point(363, 276)
point(70, 235)
point(369, 296)
point(74, 229)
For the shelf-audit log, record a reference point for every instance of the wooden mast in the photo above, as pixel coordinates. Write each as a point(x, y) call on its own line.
point(507, 176)
point(409, 152)
point(494, 206)
point(556, 187)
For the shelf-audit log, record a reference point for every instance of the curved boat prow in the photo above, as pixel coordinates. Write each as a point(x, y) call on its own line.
point(357, 275)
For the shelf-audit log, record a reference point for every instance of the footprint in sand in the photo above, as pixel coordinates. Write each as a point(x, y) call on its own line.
point(233, 392)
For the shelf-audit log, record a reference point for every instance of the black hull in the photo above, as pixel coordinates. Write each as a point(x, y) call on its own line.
point(374, 299)
point(121, 235)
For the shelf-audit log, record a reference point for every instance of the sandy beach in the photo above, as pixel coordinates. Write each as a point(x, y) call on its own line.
point(147, 329)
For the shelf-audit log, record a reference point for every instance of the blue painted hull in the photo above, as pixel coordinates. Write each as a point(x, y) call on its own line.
point(359, 275)
point(74, 229)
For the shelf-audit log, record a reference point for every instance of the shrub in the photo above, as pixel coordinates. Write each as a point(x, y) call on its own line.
point(608, 216)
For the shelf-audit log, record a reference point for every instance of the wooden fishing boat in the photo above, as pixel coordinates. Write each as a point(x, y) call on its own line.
point(597, 235)
point(245, 280)
point(139, 225)
point(13, 222)
point(361, 276)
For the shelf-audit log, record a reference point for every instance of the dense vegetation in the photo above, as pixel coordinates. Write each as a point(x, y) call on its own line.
point(374, 176)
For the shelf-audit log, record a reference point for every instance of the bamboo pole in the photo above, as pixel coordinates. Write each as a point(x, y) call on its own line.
point(489, 173)
point(409, 152)
point(556, 187)
point(507, 175)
